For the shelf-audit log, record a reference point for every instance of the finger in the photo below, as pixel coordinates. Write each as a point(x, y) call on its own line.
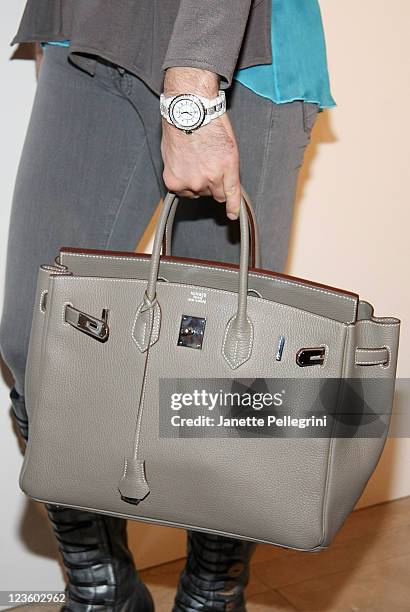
point(232, 189)
point(204, 192)
point(187, 193)
point(218, 192)
point(194, 193)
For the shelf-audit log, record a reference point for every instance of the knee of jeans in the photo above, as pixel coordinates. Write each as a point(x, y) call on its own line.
point(18, 405)
point(14, 354)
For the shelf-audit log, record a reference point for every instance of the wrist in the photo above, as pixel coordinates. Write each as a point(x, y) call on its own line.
point(191, 80)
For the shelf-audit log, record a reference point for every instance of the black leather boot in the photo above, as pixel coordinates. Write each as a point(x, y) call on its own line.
point(215, 575)
point(100, 570)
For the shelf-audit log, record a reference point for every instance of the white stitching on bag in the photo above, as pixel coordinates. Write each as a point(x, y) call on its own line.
point(376, 320)
point(41, 301)
point(180, 264)
point(211, 289)
point(141, 407)
point(63, 317)
point(156, 321)
point(133, 329)
point(386, 365)
point(382, 324)
point(372, 350)
point(142, 471)
point(155, 326)
point(365, 363)
point(233, 365)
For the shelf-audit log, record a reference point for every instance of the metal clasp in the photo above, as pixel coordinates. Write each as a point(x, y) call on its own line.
point(310, 356)
point(96, 328)
point(191, 332)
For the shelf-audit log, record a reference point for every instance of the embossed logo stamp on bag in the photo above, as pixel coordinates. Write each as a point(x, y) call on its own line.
point(197, 296)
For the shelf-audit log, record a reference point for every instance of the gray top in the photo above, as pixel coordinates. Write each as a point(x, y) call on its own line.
point(148, 36)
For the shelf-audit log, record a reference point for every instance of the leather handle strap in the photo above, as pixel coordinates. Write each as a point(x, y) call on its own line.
point(255, 254)
point(238, 337)
point(372, 356)
point(171, 200)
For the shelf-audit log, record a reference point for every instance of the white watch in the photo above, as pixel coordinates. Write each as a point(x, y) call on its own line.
point(188, 111)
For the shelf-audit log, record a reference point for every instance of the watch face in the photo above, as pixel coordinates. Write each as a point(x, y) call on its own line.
point(187, 112)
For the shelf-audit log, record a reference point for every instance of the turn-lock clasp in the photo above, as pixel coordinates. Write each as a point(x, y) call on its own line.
point(191, 331)
point(310, 356)
point(96, 328)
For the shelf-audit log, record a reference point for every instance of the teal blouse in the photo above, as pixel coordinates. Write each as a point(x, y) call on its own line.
point(299, 67)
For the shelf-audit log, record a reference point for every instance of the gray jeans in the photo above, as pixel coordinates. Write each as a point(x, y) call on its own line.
point(90, 175)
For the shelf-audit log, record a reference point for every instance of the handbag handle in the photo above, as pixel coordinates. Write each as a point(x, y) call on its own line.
point(238, 337)
point(255, 253)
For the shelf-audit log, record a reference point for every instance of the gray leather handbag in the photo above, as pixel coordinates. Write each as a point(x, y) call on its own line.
point(109, 326)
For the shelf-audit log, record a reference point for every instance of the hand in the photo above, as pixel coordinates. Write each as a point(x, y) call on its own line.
point(206, 162)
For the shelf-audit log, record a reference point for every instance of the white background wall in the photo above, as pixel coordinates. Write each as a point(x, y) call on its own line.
point(20, 547)
point(351, 230)
point(352, 223)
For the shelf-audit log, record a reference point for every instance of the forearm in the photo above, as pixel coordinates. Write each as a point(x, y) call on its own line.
point(205, 162)
point(208, 35)
point(203, 51)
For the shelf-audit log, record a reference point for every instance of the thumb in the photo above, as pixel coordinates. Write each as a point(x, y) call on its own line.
point(232, 190)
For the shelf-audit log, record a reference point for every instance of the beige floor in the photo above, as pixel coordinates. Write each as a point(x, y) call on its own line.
point(367, 569)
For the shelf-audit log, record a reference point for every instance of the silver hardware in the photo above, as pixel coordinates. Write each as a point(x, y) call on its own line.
point(96, 328)
point(93, 327)
point(310, 356)
point(191, 332)
point(43, 301)
point(281, 344)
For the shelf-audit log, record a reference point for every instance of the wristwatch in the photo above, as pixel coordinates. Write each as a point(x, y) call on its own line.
point(188, 111)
